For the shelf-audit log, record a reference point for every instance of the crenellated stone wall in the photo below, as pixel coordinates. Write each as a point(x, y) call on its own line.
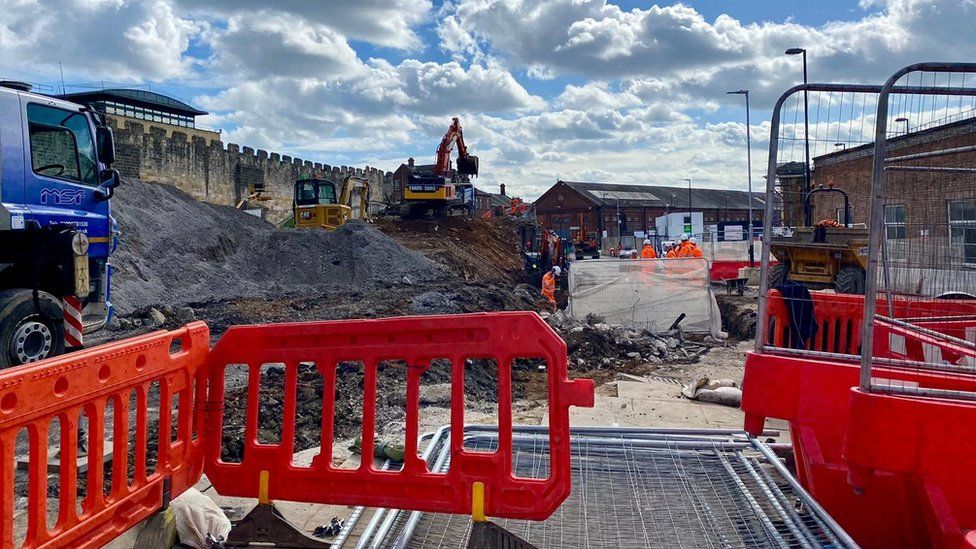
point(199, 163)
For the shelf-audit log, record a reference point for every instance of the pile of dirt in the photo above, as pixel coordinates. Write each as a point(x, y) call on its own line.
point(475, 249)
point(739, 315)
point(176, 251)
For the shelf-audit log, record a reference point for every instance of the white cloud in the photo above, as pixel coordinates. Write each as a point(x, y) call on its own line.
point(388, 23)
point(109, 38)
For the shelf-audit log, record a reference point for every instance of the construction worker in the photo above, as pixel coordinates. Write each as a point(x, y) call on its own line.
point(687, 249)
point(672, 251)
point(549, 284)
point(647, 252)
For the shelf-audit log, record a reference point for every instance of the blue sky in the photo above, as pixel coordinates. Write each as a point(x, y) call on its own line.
point(626, 91)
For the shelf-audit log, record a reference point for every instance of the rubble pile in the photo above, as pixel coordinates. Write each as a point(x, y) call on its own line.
point(175, 250)
point(592, 344)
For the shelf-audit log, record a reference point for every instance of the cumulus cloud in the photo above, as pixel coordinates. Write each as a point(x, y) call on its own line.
point(596, 39)
point(388, 23)
point(100, 38)
point(547, 89)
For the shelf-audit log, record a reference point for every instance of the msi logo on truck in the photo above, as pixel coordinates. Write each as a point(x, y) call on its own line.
point(62, 197)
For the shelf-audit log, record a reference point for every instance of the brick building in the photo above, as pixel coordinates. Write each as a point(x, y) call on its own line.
point(496, 202)
point(920, 203)
point(568, 203)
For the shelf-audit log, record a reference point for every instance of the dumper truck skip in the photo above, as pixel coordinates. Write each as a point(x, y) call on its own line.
point(56, 230)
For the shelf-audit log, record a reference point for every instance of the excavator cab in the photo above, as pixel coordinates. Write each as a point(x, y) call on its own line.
point(316, 205)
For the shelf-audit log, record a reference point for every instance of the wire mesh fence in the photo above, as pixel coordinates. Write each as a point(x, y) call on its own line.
point(880, 262)
point(922, 253)
point(649, 294)
point(657, 489)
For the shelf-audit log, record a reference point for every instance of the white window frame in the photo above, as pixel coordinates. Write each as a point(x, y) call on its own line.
point(961, 225)
point(895, 224)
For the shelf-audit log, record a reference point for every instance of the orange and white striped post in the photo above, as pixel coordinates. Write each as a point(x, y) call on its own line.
point(73, 327)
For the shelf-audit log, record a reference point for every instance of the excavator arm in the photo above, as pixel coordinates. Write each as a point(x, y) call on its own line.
point(350, 184)
point(466, 164)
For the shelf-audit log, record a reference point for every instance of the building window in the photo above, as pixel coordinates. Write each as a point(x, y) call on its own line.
point(962, 230)
point(894, 219)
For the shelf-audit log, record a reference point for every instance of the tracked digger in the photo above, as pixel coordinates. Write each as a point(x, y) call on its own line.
point(317, 202)
point(445, 191)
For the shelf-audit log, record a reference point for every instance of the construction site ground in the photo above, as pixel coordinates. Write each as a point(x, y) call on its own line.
point(242, 270)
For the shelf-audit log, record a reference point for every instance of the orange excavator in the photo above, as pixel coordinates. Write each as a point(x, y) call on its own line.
point(586, 242)
point(443, 190)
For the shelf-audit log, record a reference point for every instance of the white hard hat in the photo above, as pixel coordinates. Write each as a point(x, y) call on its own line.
point(684, 237)
point(556, 270)
point(693, 240)
point(647, 242)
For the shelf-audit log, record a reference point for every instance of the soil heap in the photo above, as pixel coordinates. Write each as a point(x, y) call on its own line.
point(175, 250)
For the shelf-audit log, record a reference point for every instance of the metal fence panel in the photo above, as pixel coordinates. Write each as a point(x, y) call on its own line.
point(645, 293)
point(922, 205)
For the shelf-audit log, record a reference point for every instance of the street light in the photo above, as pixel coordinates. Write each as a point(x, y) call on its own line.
point(808, 213)
point(691, 225)
point(752, 255)
point(905, 120)
point(841, 146)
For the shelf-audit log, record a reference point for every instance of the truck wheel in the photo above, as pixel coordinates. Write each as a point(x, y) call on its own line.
point(850, 280)
point(777, 275)
point(26, 334)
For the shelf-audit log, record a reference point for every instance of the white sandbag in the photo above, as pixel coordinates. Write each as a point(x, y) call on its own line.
point(196, 516)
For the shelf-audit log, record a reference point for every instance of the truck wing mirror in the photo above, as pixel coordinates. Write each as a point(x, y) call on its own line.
point(106, 145)
point(110, 179)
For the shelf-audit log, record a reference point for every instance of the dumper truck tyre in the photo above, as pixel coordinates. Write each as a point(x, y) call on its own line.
point(28, 333)
point(777, 275)
point(850, 280)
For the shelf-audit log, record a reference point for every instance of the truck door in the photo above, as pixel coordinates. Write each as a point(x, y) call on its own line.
point(62, 172)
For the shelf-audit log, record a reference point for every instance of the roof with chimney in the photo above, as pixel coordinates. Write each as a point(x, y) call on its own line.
point(651, 196)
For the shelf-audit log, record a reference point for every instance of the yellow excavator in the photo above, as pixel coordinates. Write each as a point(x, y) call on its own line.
point(317, 203)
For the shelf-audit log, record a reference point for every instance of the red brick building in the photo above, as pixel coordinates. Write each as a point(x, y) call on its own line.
point(568, 203)
point(920, 202)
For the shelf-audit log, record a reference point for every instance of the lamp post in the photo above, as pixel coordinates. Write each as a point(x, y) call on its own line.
point(841, 146)
point(806, 130)
point(752, 253)
point(691, 224)
point(905, 120)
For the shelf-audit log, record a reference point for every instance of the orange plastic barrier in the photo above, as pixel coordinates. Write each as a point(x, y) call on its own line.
point(412, 343)
point(82, 384)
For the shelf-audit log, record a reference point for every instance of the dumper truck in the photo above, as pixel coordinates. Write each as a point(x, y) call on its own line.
point(56, 229)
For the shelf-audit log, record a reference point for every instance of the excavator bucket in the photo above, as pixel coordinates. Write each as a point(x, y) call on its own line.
point(467, 165)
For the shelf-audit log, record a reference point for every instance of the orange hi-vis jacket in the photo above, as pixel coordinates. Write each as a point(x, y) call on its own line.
point(687, 249)
point(549, 287)
point(648, 252)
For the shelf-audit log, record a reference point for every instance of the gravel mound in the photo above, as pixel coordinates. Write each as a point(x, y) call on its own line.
point(175, 250)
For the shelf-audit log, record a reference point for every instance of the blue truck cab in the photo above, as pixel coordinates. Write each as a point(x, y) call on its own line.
point(56, 228)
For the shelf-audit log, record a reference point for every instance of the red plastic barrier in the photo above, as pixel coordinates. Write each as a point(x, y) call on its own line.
point(839, 319)
point(840, 316)
point(83, 383)
point(416, 341)
point(902, 343)
point(925, 444)
point(813, 396)
point(719, 271)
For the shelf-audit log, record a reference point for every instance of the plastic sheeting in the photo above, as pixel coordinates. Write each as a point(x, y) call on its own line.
point(645, 293)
